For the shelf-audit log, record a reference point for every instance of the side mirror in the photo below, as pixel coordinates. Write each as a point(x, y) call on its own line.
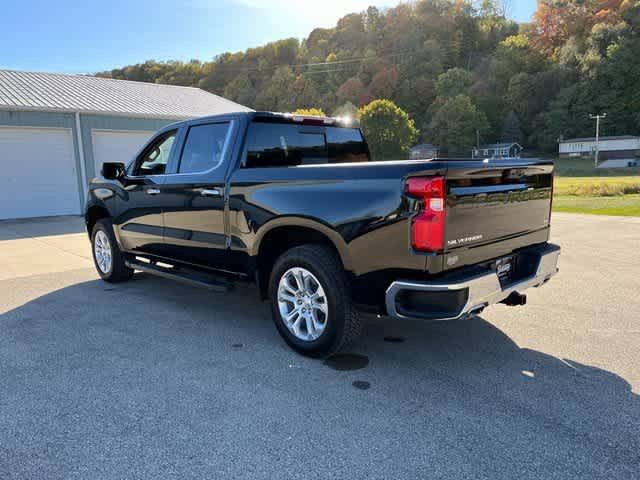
point(113, 170)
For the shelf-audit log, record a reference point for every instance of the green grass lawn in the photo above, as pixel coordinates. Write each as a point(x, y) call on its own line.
point(581, 188)
point(597, 186)
point(621, 205)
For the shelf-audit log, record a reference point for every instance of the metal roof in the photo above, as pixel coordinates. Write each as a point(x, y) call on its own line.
point(602, 139)
point(490, 146)
point(424, 145)
point(85, 94)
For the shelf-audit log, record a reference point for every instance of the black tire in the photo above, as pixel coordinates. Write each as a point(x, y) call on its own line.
point(118, 270)
point(343, 324)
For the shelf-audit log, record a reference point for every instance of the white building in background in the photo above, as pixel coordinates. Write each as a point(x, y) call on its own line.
point(498, 150)
point(615, 152)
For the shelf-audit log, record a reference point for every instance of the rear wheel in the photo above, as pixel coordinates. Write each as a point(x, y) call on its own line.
point(311, 301)
point(107, 257)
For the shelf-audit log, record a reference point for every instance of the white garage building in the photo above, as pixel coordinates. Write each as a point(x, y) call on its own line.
point(57, 130)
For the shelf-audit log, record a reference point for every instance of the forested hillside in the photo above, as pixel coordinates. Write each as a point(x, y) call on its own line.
point(454, 66)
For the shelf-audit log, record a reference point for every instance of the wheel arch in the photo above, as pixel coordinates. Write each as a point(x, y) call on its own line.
point(93, 214)
point(283, 234)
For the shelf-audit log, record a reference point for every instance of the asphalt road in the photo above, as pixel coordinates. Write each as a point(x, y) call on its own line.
point(153, 379)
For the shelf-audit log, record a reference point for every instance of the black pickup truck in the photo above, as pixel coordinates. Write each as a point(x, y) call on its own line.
point(296, 205)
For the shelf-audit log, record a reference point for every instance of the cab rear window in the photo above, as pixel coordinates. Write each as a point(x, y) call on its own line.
point(291, 145)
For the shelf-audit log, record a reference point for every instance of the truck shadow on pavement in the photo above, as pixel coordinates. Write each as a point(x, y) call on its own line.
point(93, 351)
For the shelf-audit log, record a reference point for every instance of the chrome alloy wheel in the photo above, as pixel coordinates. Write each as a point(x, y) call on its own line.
point(102, 251)
point(303, 304)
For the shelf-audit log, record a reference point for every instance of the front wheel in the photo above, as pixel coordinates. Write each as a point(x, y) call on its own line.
point(107, 257)
point(311, 301)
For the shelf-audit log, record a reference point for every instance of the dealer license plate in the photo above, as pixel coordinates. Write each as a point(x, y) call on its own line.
point(505, 268)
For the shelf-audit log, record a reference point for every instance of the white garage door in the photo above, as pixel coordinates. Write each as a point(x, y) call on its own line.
point(116, 146)
point(38, 173)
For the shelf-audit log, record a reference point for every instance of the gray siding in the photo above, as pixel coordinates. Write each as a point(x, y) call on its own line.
point(36, 119)
point(87, 123)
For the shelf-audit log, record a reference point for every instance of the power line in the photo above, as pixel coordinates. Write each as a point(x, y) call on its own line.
point(311, 72)
point(354, 60)
point(313, 64)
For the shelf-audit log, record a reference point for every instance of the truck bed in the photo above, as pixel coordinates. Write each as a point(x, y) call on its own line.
point(492, 209)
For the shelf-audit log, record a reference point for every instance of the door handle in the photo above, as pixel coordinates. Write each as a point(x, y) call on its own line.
point(210, 192)
point(153, 191)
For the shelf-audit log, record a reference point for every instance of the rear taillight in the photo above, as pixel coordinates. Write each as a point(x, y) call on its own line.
point(427, 229)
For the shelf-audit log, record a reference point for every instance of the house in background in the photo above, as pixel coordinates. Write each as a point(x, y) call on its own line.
point(498, 150)
point(57, 130)
point(425, 150)
point(615, 152)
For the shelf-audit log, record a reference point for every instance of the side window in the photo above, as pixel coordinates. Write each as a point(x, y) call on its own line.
point(154, 159)
point(284, 145)
point(203, 148)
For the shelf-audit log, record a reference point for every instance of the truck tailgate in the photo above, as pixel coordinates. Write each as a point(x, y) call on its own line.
point(495, 207)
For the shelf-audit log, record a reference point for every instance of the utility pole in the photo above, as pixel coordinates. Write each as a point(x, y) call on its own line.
point(597, 118)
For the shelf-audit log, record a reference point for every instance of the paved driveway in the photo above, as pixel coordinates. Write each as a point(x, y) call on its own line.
point(153, 379)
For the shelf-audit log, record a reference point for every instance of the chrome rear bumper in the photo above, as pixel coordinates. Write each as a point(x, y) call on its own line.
point(480, 290)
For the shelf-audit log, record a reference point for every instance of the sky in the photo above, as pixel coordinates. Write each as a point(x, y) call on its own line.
point(86, 36)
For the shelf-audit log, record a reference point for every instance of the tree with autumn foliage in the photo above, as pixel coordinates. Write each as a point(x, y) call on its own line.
point(455, 125)
point(557, 22)
point(354, 91)
point(389, 130)
point(309, 112)
point(534, 81)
